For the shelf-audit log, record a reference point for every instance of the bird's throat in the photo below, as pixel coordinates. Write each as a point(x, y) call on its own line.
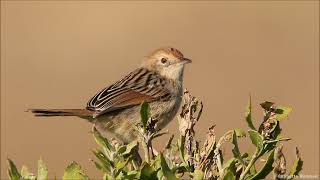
point(174, 73)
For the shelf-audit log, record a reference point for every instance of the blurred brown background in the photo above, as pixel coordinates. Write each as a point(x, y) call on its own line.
point(59, 54)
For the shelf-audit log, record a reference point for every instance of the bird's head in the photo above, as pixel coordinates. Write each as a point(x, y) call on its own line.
point(168, 62)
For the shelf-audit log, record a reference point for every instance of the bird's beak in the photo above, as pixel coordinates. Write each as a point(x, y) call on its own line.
point(186, 61)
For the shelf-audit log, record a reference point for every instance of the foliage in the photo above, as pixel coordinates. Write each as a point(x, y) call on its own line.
point(186, 158)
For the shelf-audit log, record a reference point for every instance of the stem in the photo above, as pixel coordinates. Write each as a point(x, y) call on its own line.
point(181, 146)
point(146, 142)
point(151, 149)
point(218, 155)
point(146, 152)
point(252, 161)
point(219, 163)
point(277, 140)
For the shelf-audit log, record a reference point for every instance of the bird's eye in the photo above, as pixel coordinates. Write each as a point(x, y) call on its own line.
point(163, 60)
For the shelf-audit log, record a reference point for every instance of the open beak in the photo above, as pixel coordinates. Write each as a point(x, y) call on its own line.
point(186, 61)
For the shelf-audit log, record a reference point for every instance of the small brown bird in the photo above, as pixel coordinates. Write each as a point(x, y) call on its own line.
point(116, 108)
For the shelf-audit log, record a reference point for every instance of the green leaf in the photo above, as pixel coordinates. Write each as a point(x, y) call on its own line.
point(235, 148)
point(13, 172)
point(181, 143)
point(230, 165)
point(165, 168)
point(42, 170)
point(253, 170)
point(229, 176)
point(266, 169)
point(256, 139)
point(198, 174)
point(171, 164)
point(106, 163)
point(160, 175)
point(121, 149)
point(145, 112)
point(74, 172)
point(131, 175)
point(240, 133)
point(147, 172)
point(297, 165)
point(248, 114)
point(156, 164)
point(122, 164)
point(107, 177)
point(102, 141)
point(129, 148)
point(119, 176)
point(282, 112)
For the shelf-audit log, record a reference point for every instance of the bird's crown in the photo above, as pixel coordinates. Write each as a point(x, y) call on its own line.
point(169, 51)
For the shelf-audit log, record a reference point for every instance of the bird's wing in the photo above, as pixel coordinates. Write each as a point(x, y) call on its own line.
point(139, 86)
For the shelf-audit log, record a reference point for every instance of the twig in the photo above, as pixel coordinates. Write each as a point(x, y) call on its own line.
point(277, 140)
point(219, 162)
point(217, 152)
point(251, 163)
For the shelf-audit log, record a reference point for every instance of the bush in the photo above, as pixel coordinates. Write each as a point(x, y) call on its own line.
point(186, 158)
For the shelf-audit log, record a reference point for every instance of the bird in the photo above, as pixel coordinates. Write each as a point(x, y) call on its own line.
point(116, 108)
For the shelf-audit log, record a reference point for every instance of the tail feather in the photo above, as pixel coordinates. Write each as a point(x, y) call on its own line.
point(62, 112)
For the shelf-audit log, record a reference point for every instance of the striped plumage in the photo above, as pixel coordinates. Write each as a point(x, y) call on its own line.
point(141, 83)
point(116, 108)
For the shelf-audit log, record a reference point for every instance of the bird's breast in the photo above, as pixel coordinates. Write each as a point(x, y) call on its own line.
point(165, 111)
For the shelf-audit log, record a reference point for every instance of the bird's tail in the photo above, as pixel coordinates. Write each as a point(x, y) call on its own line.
point(62, 112)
